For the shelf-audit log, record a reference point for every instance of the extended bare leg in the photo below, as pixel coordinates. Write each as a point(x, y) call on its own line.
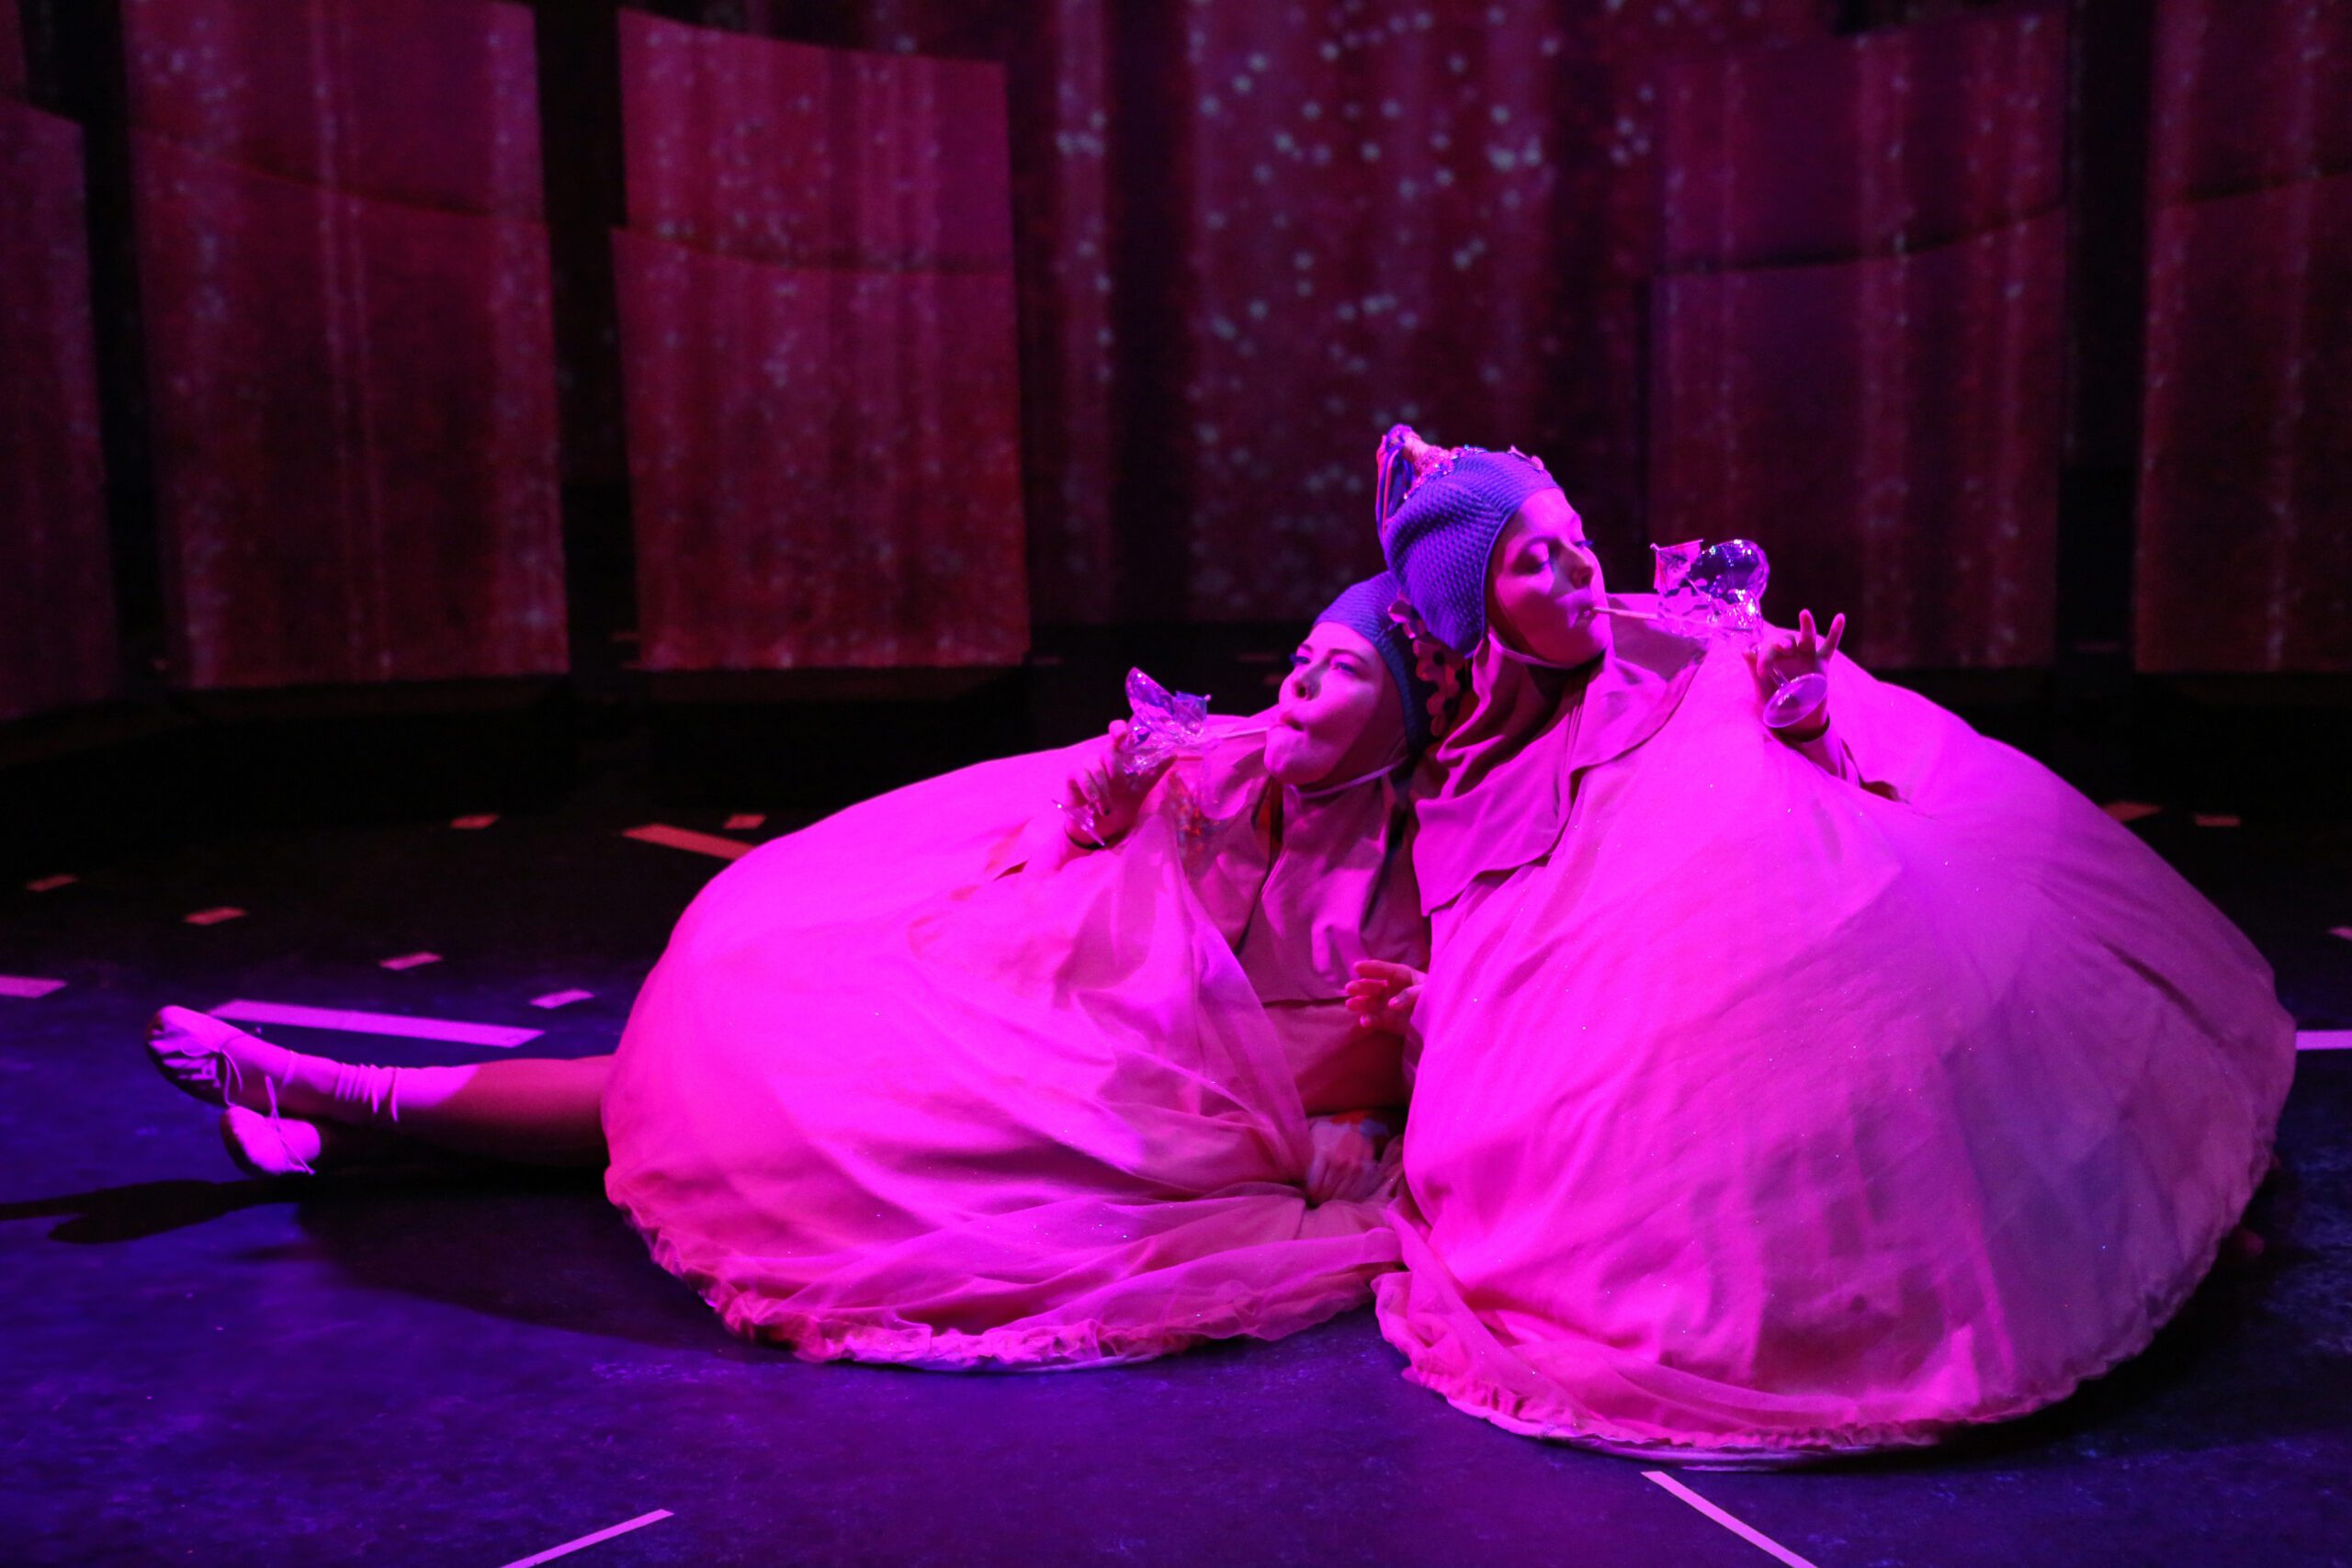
point(284, 1107)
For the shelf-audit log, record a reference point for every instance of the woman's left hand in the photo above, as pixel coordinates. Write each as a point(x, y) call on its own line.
point(1780, 656)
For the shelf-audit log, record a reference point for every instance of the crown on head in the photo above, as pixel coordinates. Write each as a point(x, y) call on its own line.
point(1406, 462)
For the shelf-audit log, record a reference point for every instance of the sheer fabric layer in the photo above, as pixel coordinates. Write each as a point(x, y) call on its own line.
point(874, 1103)
point(1765, 1117)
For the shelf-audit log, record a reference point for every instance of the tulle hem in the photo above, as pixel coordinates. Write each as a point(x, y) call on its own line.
point(1021, 1346)
point(1438, 1359)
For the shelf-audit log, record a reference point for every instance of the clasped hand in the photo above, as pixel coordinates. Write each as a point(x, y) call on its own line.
point(1103, 799)
point(1343, 1161)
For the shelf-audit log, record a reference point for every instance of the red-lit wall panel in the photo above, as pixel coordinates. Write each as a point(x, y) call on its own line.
point(12, 51)
point(431, 101)
point(57, 626)
point(1890, 141)
point(346, 298)
point(819, 353)
point(823, 463)
point(1857, 355)
point(814, 157)
point(354, 431)
point(2245, 512)
point(1889, 429)
point(2246, 500)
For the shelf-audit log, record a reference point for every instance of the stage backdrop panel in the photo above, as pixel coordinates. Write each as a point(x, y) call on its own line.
point(1392, 213)
point(350, 357)
point(837, 498)
point(57, 626)
point(817, 345)
point(354, 431)
point(2246, 507)
point(1856, 354)
point(12, 51)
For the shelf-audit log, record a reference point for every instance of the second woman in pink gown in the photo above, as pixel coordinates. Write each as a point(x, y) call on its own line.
point(1780, 1096)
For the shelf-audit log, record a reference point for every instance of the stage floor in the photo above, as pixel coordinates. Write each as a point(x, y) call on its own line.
point(194, 1368)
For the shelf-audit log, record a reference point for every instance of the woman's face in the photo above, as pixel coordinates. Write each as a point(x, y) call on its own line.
point(1543, 584)
point(1336, 716)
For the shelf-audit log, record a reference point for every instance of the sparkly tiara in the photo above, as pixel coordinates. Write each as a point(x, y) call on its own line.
point(1406, 462)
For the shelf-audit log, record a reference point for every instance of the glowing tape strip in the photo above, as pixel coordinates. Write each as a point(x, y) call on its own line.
point(655, 1518)
point(684, 838)
point(1754, 1538)
point(18, 986)
point(352, 1023)
point(2324, 1040)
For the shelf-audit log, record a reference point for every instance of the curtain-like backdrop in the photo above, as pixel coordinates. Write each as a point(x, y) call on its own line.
point(12, 51)
point(1374, 213)
point(1726, 270)
point(1860, 349)
point(345, 287)
point(2245, 492)
point(57, 614)
point(1249, 236)
point(816, 310)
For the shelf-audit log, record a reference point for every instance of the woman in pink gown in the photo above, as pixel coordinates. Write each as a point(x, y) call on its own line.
point(958, 1077)
point(1780, 1096)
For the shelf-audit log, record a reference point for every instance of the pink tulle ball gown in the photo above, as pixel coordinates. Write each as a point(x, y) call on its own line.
point(1763, 1115)
point(879, 1101)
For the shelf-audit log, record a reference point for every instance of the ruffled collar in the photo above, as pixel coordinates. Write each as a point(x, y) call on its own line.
point(1508, 768)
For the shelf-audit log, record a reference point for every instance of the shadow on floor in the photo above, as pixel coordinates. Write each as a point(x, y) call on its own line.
point(540, 1247)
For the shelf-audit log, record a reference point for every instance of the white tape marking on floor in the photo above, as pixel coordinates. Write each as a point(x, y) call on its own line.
point(2324, 1040)
point(687, 839)
point(26, 986)
point(1754, 1538)
point(354, 1022)
point(552, 1552)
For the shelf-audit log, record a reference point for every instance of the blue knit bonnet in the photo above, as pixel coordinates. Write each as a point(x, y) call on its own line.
point(1363, 609)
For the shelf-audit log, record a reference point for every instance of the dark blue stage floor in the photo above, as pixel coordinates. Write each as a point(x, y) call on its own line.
point(199, 1368)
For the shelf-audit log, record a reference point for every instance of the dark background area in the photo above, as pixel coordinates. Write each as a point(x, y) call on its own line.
point(410, 405)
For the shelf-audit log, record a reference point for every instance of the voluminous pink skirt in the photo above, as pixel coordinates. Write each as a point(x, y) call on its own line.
point(1769, 1118)
point(873, 1105)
